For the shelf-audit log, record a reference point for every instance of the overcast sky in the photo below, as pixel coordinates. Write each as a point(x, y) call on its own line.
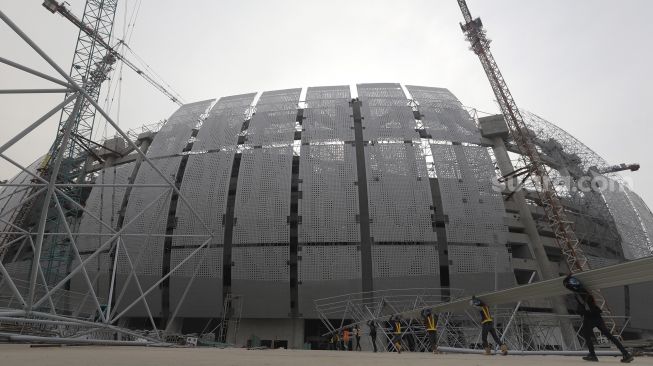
point(584, 65)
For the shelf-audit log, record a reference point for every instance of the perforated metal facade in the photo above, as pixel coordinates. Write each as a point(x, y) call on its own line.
point(386, 114)
point(301, 160)
point(104, 203)
point(399, 196)
point(263, 196)
point(442, 115)
point(474, 211)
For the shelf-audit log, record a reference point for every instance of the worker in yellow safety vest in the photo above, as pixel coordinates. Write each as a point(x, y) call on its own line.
point(395, 324)
point(430, 323)
point(487, 326)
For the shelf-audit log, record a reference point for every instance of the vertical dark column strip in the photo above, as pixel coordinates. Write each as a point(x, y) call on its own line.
point(171, 224)
point(294, 220)
point(439, 221)
point(364, 211)
point(228, 219)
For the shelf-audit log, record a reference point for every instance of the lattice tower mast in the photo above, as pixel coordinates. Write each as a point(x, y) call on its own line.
point(562, 227)
point(91, 64)
point(90, 67)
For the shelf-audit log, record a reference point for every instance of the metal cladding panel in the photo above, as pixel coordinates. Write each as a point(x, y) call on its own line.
point(443, 116)
point(263, 196)
point(11, 197)
point(399, 194)
point(205, 187)
point(222, 125)
point(474, 210)
point(261, 275)
point(103, 203)
point(635, 241)
point(476, 259)
point(327, 116)
point(327, 270)
point(386, 114)
point(329, 262)
point(207, 263)
point(645, 216)
point(173, 136)
point(275, 118)
point(146, 251)
point(329, 202)
point(404, 260)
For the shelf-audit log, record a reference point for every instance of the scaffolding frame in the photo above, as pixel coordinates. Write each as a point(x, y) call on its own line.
point(48, 309)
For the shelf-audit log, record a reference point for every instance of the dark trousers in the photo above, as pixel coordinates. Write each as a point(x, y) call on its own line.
point(349, 348)
point(358, 343)
point(591, 322)
point(489, 328)
point(373, 336)
point(433, 339)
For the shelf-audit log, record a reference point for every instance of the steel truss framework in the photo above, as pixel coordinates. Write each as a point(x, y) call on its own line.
point(48, 311)
point(520, 330)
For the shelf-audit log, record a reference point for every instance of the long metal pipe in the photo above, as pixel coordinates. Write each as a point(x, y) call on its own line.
point(33, 72)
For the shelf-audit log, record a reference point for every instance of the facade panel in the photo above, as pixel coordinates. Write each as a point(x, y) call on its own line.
point(386, 114)
point(329, 203)
point(103, 203)
point(400, 200)
point(327, 116)
point(474, 210)
point(263, 196)
point(205, 186)
point(442, 115)
point(173, 136)
point(275, 118)
point(222, 126)
point(261, 275)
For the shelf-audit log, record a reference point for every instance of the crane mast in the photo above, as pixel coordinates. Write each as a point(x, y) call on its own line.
point(555, 213)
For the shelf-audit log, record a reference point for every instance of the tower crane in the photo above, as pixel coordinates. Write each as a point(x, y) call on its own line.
point(555, 213)
point(112, 55)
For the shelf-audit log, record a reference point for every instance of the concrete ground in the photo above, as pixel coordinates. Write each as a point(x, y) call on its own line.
point(11, 354)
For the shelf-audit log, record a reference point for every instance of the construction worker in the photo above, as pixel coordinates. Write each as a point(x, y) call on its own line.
point(395, 324)
point(339, 345)
point(357, 334)
point(346, 340)
point(487, 326)
point(332, 342)
point(372, 327)
point(592, 318)
point(430, 322)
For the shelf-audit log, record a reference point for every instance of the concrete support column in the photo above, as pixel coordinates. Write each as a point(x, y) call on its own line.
point(546, 270)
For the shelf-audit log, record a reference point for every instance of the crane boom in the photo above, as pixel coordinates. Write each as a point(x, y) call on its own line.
point(56, 7)
point(555, 213)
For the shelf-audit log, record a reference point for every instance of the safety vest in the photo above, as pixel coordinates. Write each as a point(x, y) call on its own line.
point(430, 322)
point(397, 326)
point(485, 314)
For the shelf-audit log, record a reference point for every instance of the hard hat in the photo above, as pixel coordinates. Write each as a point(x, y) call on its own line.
point(475, 302)
point(572, 283)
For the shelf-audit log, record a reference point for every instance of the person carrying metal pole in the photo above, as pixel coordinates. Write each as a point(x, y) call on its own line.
point(430, 322)
point(592, 318)
point(372, 327)
point(357, 334)
point(395, 324)
point(487, 326)
point(346, 340)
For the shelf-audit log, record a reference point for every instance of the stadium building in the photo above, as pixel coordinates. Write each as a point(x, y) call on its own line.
point(291, 196)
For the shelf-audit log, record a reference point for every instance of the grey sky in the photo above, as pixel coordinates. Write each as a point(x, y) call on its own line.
point(584, 65)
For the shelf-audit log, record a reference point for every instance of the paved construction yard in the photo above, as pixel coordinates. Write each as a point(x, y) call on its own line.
point(19, 355)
